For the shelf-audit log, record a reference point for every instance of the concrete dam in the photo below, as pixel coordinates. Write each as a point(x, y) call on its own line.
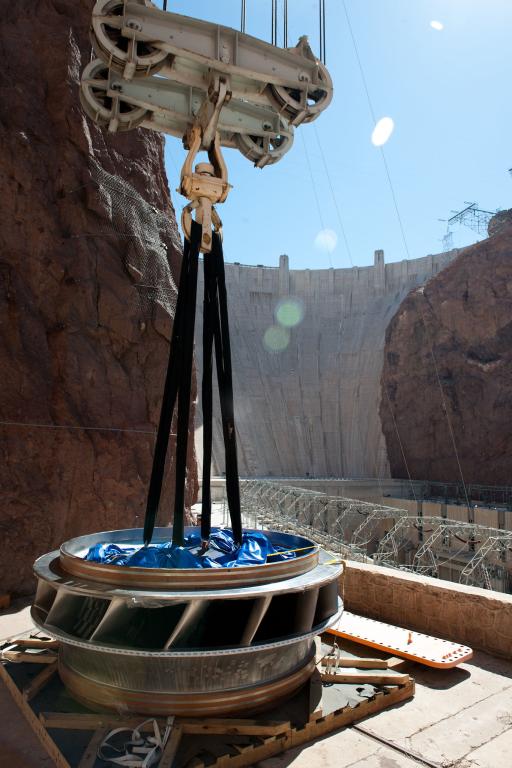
point(307, 350)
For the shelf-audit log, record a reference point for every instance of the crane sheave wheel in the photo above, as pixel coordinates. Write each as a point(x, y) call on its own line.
point(264, 150)
point(110, 45)
point(292, 102)
point(101, 107)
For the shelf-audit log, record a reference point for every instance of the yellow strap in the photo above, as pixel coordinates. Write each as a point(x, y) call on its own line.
point(335, 561)
point(289, 551)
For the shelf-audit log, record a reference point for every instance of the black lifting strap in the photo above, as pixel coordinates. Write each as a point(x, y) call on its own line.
point(216, 328)
point(177, 386)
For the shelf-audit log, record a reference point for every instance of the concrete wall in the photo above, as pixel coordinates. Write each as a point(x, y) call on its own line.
point(472, 616)
point(313, 407)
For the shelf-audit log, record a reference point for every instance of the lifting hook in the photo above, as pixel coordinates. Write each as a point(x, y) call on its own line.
point(206, 184)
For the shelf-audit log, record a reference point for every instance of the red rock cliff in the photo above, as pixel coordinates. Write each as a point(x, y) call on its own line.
point(461, 323)
point(89, 261)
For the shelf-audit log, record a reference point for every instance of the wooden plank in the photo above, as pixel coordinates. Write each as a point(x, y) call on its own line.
point(278, 736)
point(241, 748)
point(232, 727)
point(91, 752)
point(16, 657)
point(88, 722)
point(171, 748)
point(36, 642)
point(394, 662)
point(39, 681)
point(273, 745)
point(40, 731)
point(320, 726)
point(344, 662)
point(371, 678)
point(349, 715)
point(210, 726)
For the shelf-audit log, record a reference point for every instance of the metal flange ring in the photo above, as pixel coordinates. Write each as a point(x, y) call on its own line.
point(114, 48)
point(186, 219)
point(102, 108)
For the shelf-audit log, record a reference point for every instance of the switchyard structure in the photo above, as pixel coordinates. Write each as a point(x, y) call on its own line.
point(471, 216)
point(464, 552)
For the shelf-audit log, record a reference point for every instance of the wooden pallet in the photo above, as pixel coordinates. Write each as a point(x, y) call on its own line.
point(71, 734)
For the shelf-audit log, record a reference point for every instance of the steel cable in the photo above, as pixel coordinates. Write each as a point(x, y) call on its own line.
point(321, 23)
point(274, 22)
point(406, 246)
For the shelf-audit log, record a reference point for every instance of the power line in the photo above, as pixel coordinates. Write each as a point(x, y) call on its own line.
point(374, 118)
point(400, 444)
point(402, 230)
point(342, 228)
point(443, 400)
point(313, 185)
point(334, 198)
point(75, 427)
point(321, 23)
point(395, 203)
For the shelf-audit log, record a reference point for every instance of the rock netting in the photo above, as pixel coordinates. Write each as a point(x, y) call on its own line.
point(86, 222)
point(448, 366)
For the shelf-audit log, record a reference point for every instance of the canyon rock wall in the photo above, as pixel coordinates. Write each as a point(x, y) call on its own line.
point(446, 382)
point(307, 397)
point(89, 261)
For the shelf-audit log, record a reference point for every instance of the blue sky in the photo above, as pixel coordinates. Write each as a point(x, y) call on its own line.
point(448, 93)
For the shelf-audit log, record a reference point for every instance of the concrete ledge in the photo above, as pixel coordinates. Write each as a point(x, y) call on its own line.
point(476, 617)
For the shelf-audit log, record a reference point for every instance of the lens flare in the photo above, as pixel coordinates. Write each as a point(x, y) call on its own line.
point(382, 131)
point(276, 338)
point(326, 240)
point(289, 313)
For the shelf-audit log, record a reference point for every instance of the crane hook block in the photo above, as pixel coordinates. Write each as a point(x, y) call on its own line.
point(161, 70)
point(205, 185)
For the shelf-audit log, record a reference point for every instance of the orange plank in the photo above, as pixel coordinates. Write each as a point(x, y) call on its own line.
point(399, 641)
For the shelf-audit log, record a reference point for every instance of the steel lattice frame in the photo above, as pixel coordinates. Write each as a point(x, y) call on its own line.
point(481, 556)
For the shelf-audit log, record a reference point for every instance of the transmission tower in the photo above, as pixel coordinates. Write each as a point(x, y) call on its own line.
point(473, 217)
point(447, 241)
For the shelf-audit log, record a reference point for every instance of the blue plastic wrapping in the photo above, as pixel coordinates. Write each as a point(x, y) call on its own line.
point(256, 549)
